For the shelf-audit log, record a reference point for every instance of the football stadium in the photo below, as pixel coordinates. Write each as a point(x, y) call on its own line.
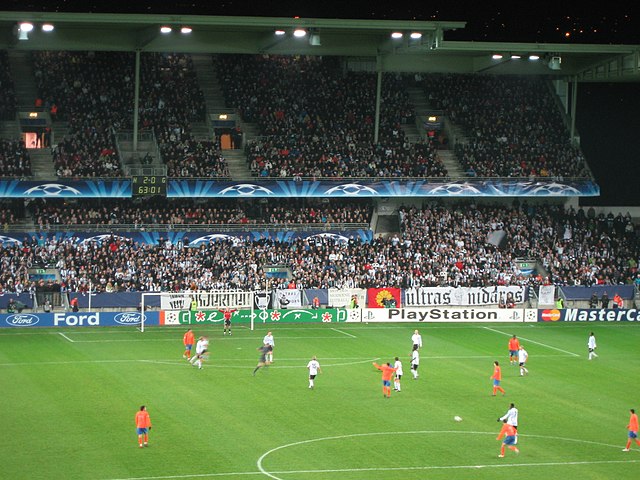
point(289, 248)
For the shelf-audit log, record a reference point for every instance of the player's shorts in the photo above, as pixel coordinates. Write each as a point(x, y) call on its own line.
point(312, 377)
point(522, 364)
point(414, 366)
point(496, 383)
point(633, 434)
point(270, 348)
point(227, 323)
point(142, 431)
point(399, 376)
point(263, 359)
point(386, 383)
point(591, 350)
point(416, 346)
point(513, 353)
point(188, 346)
point(509, 440)
point(203, 352)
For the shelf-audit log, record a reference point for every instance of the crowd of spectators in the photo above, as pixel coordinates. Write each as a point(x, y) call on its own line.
point(7, 89)
point(94, 92)
point(14, 159)
point(513, 124)
point(316, 120)
point(161, 211)
point(439, 245)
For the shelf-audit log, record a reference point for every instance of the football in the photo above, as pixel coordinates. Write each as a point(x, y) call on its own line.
point(457, 418)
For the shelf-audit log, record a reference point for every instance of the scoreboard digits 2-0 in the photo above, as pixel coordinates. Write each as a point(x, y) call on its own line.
point(143, 185)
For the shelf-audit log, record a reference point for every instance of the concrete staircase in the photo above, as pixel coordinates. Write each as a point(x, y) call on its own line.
point(451, 163)
point(24, 80)
point(42, 164)
point(215, 104)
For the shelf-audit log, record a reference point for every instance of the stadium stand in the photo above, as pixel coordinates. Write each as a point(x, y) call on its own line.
point(317, 121)
point(513, 126)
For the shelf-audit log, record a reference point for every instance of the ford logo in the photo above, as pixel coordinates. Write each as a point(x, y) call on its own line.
point(22, 320)
point(128, 318)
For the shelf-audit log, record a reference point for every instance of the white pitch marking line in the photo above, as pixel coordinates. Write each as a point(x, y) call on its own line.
point(533, 341)
point(67, 338)
point(344, 333)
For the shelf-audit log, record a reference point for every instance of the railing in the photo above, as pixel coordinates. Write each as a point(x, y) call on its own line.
point(191, 227)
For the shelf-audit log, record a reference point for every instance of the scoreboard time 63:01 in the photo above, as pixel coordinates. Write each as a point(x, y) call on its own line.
point(148, 185)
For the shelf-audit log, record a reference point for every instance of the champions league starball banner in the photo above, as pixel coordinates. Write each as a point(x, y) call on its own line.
point(432, 187)
point(112, 188)
point(191, 239)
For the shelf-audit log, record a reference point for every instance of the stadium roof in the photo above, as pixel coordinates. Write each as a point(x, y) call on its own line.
point(366, 41)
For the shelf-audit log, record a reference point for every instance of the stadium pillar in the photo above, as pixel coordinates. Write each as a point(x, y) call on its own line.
point(136, 101)
point(378, 94)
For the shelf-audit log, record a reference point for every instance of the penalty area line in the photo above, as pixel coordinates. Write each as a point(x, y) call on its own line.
point(66, 338)
point(344, 333)
point(533, 341)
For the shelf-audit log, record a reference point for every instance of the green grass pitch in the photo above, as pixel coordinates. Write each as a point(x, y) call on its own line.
point(69, 397)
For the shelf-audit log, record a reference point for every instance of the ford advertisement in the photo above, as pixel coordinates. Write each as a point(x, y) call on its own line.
point(78, 319)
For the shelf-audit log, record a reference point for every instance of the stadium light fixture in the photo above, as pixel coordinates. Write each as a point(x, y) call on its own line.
point(534, 57)
point(497, 56)
point(299, 32)
point(416, 35)
point(396, 35)
point(165, 29)
point(47, 27)
point(515, 57)
point(186, 30)
point(23, 30)
point(279, 33)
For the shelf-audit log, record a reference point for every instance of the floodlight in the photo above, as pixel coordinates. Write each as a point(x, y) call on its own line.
point(299, 32)
point(165, 29)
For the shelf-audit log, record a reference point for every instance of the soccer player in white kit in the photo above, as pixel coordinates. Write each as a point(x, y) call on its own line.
point(415, 363)
point(522, 361)
point(416, 339)
point(314, 369)
point(268, 340)
point(396, 380)
point(512, 418)
point(201, 348)
point(591, 344)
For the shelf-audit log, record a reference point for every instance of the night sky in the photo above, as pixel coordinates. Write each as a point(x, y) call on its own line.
point(608, 117)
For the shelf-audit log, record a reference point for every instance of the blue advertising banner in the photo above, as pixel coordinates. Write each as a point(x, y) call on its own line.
point(120, 188)
point(432, 187)
point(78, 319)
point(589, 315)
point(192, 239)
point(627, 292)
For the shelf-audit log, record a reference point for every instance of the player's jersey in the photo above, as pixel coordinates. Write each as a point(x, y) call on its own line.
point(511, 416)
point(522, 355)
point(514, 344)
point(142, 419)
point(268, 340)
point(592, 342)
point(415, 358)
point(189, 338)
point(202, 346)
point(387, 371)
point(497, 373)
point(313, 367)
point(417, 339)
point(633, 423)
point(398, 367)
point(507, 430)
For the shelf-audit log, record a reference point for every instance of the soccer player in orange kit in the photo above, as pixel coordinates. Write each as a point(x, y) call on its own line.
point(509, 432)
point(633, 430)
point(189, 339)
point(497, 378)
point(387, 372)
point(514, 346)
point(143, 425)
